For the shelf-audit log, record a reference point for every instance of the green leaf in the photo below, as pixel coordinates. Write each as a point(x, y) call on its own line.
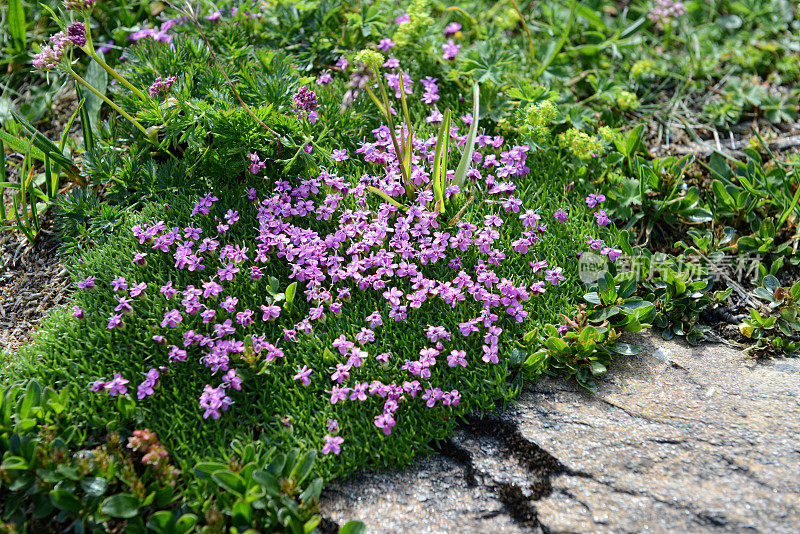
point(206, 469)
point(122, 506)
point(313, 490)
point(185, 523)
point(627, 288)
point(230, 481)
point(290, 292)
point(771, 283)
point(353, 527)
point(556, 344)
point(697, 215)
point(42, 143)
point(795, 291)
point(268, 482)
point(626, 349)
point(598, 368)
point(440, 162)
point(94, 487)
point(303, 466)
point(65, 500)
point(98, 78)
point(14, 463)
point(33, 397)
point(16, 24)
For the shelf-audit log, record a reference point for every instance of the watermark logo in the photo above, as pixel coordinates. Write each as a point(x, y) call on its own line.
point(591, 267)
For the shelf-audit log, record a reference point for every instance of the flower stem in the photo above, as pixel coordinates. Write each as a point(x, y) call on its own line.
point(108, 101)
point(117, 76)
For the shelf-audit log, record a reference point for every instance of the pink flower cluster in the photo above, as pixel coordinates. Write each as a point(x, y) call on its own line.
point(665, 10)
point(161, 86)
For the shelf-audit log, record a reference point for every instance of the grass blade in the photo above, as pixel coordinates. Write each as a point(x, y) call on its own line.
point(86, 123)
point(466, 157)
point(386, 197)
point(438, 174)
point(44, 144)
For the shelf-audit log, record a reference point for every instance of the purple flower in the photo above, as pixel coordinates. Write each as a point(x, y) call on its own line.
point(77, 312)
point(457, 357)
point(561, 215)
point(303, 375)
point(612, 253)
point(333, 426)
point(256, 165)
point(339, 154)
point(171, 318)
point(333, 444)
point(594, 244)
point(86, 283)
point(338, 394)
point(116, 386)
point(452, 28)
point(554, 275)
point(324, 78)
point(305, 102)
point(76, 33)
point(602, 218)
point(270, 312)
point(385, 422)
point(594, 199)
point(450, 49)
point(119, 284)
point(385, 44)
point(213, 400)
point(231, 380)
point(97, 385)
point(137, 290)
point(115, 321)
point(161, 86)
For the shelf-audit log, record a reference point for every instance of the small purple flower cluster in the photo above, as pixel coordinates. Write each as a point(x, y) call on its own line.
point(50, 55)
point(161, 86)
point(386, 251)
point(305, 103)
point(76, 33)
point(146, 388)
point(592, 201)
point(451, 49)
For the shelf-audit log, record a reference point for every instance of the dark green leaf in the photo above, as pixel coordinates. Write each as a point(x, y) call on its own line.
point(65, 500)
point(230, 481)
point(122, 506)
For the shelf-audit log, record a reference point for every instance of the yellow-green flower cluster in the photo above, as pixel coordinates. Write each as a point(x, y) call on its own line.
point(419, 22)
point(627, 101)
point(606, 134)
point(371, 59)
point(536, 119)
point(580, 144)
point(642, 68)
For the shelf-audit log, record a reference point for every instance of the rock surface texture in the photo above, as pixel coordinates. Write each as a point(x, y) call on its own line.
point(676, 439)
